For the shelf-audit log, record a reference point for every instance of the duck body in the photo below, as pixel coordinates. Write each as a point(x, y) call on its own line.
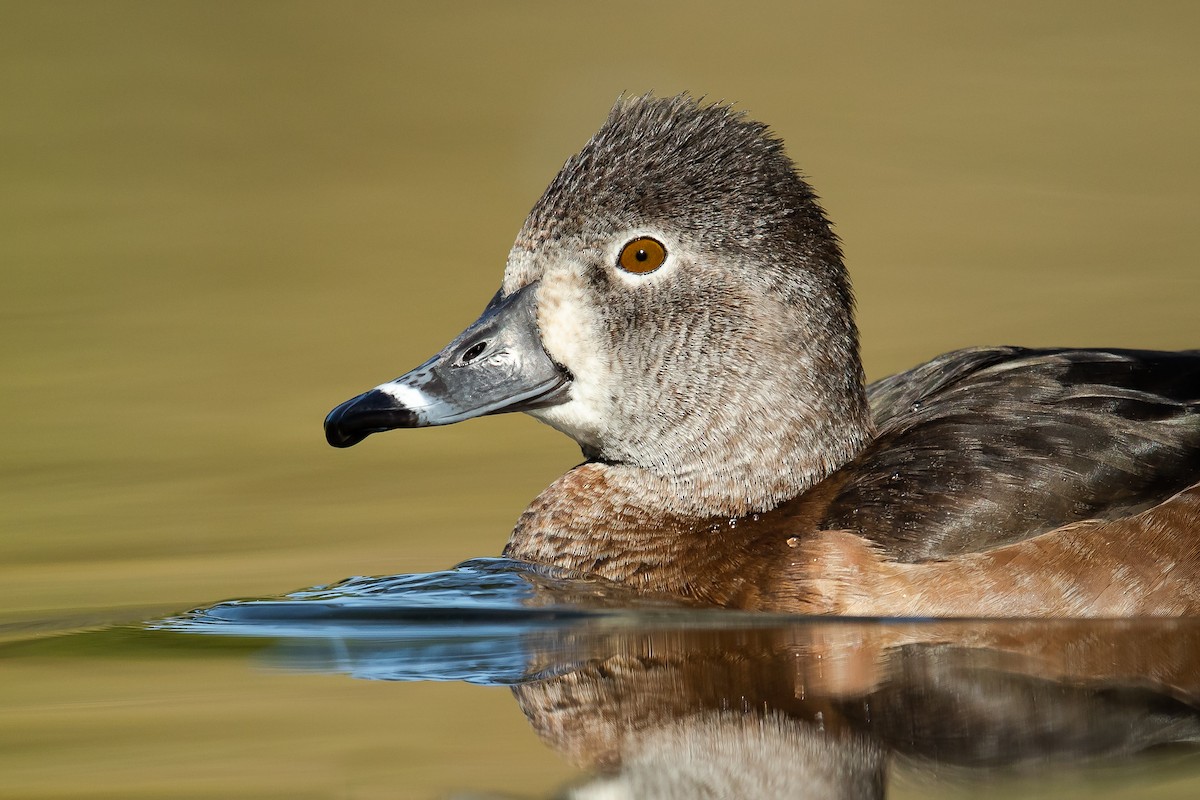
point(1003, 481)
point(676, 302)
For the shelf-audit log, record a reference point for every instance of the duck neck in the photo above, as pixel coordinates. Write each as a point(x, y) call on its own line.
point(730, 467)
point(656, 528)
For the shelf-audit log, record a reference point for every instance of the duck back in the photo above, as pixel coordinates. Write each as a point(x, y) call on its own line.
point(987, 446)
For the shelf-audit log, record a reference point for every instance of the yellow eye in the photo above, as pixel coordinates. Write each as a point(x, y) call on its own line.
point(642, 255)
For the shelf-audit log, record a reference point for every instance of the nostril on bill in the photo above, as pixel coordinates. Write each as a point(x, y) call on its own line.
point(473, 352)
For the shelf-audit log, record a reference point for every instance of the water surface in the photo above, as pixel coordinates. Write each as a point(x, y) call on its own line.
point(650, 700)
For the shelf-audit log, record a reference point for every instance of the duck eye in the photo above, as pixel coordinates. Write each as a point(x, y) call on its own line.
point(642, 255)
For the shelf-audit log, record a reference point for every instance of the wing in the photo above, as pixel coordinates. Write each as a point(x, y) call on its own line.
point(987, 446)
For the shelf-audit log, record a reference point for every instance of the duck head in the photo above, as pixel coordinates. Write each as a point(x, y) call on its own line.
point(676, 303)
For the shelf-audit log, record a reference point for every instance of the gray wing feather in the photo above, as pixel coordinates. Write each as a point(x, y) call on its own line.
point(987, 446)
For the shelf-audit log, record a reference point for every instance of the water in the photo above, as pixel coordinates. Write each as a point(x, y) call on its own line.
point(649, 700)
point(219, 220)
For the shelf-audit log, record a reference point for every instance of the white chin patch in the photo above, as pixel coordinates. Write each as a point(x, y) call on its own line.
point(566, 320)
point(572, 419)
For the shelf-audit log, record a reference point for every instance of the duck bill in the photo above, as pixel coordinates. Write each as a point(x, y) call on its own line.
point(496, 365)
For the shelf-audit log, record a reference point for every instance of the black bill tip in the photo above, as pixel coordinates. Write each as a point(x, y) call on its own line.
point(370, 412)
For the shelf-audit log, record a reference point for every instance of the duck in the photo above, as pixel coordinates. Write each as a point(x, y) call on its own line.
point(677, 303)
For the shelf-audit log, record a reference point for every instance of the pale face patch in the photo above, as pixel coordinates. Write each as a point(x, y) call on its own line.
point(574, 332)
point(567, 321)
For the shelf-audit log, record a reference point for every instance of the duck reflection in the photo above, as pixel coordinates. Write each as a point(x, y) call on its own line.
point(823, 708)
point(668, 702)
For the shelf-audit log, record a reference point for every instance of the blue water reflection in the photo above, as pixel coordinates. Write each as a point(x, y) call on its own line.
point(664, 701)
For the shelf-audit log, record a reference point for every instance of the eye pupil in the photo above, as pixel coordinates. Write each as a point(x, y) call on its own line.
point(642, 255)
